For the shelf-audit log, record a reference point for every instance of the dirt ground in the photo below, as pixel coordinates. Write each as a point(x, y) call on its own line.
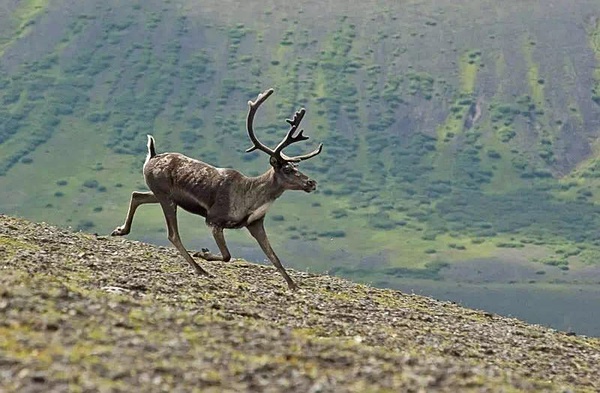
point(84, 313)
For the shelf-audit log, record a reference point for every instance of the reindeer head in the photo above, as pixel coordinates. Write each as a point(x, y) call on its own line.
point(286, 171)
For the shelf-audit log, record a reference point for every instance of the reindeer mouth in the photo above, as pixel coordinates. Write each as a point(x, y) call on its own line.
point(310, 186)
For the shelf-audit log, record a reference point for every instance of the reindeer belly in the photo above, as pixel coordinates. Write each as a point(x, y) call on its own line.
point(232, 218)
point(193, 208)
point(189, 203)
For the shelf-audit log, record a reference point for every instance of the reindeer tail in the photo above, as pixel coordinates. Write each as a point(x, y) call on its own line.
point(151, 149)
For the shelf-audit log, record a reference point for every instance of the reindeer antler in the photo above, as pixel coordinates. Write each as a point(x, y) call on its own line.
point(289, 138)
point(253, 107)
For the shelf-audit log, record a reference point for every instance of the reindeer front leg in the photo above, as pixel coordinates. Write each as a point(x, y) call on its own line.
point(137, 199)
point(257, 230)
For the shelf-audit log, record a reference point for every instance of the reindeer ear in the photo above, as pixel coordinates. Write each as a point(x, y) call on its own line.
point(275, 163)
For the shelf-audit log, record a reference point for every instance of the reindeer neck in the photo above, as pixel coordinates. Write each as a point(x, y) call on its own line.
point(265, 187)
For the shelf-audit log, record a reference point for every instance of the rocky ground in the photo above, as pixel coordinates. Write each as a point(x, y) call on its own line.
point(80, 312)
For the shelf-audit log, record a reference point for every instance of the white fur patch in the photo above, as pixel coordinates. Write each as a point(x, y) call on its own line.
point(260, 212)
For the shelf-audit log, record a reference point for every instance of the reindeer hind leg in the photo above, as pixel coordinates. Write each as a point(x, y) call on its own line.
point(137, 199)
point(220, 240)
point(170, 212)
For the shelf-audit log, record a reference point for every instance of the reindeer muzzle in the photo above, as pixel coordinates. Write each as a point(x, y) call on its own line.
point(310, 186)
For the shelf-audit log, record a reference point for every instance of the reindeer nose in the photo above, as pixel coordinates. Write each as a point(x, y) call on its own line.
point(311, 183)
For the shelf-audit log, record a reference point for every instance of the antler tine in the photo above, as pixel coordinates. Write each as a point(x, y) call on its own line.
point(304, 156)
point(290, 138)
point(252, 108)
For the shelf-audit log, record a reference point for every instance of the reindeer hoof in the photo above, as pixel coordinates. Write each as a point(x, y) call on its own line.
point(204, 273)
point(119, 231)
point(201, 254)
point(207, 255)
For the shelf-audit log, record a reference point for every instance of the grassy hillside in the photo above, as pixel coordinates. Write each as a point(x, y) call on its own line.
point(451, 131)
point(81, 312)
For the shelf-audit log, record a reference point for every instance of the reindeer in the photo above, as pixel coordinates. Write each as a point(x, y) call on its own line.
point(225, 197)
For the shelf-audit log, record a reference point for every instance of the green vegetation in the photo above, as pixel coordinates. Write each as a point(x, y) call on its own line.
point(433, 136)
point(430, 271)
point(22, 19)
point(594, 33)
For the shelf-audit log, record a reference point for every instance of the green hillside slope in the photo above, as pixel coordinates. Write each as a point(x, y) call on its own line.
point(81, 312)
point(451, 131)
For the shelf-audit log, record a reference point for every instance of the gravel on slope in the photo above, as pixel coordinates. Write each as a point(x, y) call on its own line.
point(91, 313)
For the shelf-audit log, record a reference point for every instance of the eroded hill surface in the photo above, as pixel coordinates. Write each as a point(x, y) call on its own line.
point(97, 313)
